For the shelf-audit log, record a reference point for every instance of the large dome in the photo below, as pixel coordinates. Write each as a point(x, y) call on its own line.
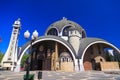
point(57, 28)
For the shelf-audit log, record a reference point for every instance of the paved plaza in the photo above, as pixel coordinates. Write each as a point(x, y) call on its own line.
point(57, 75)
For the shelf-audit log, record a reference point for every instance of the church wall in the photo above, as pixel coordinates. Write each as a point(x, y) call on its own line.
point(109, 66)
point(87, 65)
point(66, 66)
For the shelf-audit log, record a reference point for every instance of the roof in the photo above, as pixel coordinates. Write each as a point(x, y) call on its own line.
point(62, 23)
point(84, 43)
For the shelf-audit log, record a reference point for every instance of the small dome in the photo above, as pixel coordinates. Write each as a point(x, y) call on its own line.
point(60, 25)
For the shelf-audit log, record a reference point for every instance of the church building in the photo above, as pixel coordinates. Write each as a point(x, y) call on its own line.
point(66, 47)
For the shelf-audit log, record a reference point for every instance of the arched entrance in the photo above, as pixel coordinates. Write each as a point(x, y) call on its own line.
point(93, 62)
point(46, 56)
point(95, 58)
point(46, 52)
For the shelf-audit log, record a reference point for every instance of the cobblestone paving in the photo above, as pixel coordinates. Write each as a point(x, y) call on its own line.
point(57, 75)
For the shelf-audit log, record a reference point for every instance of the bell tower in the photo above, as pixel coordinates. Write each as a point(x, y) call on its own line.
point(10, 58)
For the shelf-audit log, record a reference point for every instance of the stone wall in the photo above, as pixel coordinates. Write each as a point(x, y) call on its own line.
point(109, 66)
point(66, 66)
point(87, 65)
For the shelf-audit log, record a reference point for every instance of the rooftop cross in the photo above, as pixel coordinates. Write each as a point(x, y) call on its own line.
point(64, 18)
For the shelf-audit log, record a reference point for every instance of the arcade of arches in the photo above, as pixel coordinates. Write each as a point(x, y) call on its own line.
point(48, 55)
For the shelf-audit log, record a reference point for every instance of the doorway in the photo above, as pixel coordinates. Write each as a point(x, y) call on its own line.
point(93, 64)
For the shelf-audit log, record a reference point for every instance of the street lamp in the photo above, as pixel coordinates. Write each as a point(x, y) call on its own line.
point(34, 36)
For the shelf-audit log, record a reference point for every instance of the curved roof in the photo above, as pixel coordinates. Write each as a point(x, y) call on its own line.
point(43, 38)
point(85, 43)
point(59, 25)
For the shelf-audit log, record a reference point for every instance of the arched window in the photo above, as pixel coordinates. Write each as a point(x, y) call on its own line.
point(83, 34)
point(65, 57)
point(68, 59)
point(53, 31)
point(66, 31)
point(62, 59)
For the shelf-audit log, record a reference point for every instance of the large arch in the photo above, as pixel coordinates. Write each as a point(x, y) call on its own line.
point(86, 43)
point(45, 38)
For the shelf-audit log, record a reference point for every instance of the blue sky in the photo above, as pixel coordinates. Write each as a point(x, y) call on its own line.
point(100, 18)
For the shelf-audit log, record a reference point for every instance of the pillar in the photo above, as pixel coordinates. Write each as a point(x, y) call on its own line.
point(81, 67)
point(17, 68)
point(56, 55)
point(76, 65)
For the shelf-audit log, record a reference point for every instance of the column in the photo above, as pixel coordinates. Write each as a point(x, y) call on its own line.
point(53, 61)
point(81, 65)
point(56, 55)
point(17, 69)
point(76, 65)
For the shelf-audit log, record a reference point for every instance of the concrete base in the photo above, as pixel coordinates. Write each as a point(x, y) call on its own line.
point(17, 68)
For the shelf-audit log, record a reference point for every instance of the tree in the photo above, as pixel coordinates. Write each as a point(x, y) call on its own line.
point(1, 56)
point(25, 56)
point(109, 57)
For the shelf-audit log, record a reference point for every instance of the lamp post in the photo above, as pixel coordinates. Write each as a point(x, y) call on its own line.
point(34, 36)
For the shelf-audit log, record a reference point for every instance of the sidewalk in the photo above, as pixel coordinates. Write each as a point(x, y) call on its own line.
point(57, 75)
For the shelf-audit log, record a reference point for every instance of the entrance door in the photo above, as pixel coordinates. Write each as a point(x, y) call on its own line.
point(93, 64)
